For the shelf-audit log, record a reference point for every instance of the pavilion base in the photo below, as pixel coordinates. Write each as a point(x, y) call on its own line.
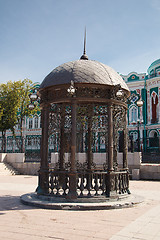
point(94, 203)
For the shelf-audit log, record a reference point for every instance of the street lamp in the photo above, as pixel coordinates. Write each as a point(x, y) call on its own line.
point(139, 104)
point(33, 97)
point(71, 90)
point(119, 93)
point(31, 106)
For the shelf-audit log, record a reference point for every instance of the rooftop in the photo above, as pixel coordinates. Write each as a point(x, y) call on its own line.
point(83, 71)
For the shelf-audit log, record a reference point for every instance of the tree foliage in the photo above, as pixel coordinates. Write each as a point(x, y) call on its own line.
point(8, 106)
point(14, 100)
point(24, 89)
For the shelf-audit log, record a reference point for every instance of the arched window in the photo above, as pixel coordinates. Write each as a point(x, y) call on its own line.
point(30, 124)
point(154, 104)
point(133, 114)
point(36, 120)
point(153, 139)
point(134, 135)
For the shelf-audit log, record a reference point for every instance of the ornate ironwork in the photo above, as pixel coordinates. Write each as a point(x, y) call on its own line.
point(86, 123)
point(32, 148)
point(87, 92)
point(119, 122)
point(83, 92)
point(89, 184)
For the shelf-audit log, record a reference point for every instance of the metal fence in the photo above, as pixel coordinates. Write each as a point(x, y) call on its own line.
point(151, 157)
point(30, 145)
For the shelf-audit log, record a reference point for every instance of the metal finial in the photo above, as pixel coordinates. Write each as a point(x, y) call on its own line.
point(84, 52)
point(84, 56)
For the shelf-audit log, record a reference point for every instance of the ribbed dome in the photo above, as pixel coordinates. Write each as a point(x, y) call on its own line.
point(154, 65)
point(83, 71)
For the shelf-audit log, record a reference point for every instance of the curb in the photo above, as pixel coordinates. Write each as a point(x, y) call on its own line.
point(58, 203)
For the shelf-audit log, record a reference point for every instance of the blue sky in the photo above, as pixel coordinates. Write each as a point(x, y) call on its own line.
point(38, 35)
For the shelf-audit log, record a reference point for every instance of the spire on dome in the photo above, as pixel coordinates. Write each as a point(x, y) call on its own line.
point(84, 56)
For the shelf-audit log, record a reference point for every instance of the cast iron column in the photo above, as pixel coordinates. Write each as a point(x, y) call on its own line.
point(110, 138)
point(72, 174)
point(89, 151)
point(62, 140)
point(43, 187)
point(110, 177)
point(125, 147)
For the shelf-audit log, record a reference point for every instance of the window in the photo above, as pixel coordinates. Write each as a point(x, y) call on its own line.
point(29, 142)
point(154, 139)
point(36, 141)
point(154, 104)
point(30, 125)
point(134, 135)
point(36, 122)
point(40, 122)
point(133, 114)
point(134, 98)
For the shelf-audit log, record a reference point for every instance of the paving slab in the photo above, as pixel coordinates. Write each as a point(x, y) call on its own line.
point(19, 221)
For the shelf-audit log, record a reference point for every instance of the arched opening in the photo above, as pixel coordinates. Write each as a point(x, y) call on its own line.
point(154, 104)
point(153, 139)
point(133, 143)
point(133, 113)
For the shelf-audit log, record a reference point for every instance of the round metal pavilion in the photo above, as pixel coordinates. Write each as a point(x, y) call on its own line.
point(82, 101)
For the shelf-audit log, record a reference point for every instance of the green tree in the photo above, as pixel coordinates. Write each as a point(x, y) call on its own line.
point(8, 109)
point(14, 101)
point(24, 89)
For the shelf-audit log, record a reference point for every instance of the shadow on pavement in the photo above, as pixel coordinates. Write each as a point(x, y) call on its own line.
point(10, 203)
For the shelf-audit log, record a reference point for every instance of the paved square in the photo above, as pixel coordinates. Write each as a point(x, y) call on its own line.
point(18, 221)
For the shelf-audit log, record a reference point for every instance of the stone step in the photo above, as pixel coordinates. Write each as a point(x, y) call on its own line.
point(7, 169)
point(4, 170)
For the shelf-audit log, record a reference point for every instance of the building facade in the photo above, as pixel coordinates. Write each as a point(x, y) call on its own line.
point(143, 122)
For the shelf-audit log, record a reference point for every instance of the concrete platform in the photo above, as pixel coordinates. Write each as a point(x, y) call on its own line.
point(96, 203)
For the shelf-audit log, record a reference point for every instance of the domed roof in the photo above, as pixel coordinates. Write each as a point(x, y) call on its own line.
point(83, 71)
point(154, 65)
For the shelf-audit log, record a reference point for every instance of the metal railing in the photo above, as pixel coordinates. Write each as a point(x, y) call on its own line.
point(89, 184)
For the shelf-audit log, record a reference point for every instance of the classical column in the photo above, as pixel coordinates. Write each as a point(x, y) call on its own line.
point(125, 145)
point(110, 138)
point(62, 140)
point(89, 150)
point(110, 177)
point(43, 186)
point(125, 151)
point(72, 174)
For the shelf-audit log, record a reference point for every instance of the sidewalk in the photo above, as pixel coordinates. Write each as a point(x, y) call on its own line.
point(18, 221)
